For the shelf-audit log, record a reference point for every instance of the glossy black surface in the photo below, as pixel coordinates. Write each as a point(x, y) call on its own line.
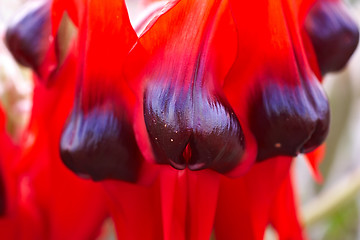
point(27, 36)
point(100, 144)
point(333, 33)
point(192, 127)
point(289, 119)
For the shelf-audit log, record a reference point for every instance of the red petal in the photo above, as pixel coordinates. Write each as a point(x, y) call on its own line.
point(203, 194)
point(100, 125)
point(74, 8)
point(179, 205)
point(110, 37)
point(284, 215)
point(136, 210)
point(173, 191)
point(8, 193)
point(188, 64)
point(271, 86)
point(304, 7)
point(315, 158)
point(53, 203)
point(244, 204)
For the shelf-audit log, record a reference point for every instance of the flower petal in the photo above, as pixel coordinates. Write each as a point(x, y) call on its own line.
point(136, 209)
point(284, 216)
point(244, 204)
point(74, 8)
point(203, 195)
point(314, 158)
point(53, 203)
point(272, 88)
point(188, 122)
point(98, 140)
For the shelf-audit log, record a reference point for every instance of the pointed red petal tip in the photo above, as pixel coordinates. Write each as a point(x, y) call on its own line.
point(73, 8)
point(188, 120)
point(315, 158)
point(286, 108)
point(98, 141)
point(333, 33)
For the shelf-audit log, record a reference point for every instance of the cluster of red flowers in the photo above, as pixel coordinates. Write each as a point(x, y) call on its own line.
point(180, 127)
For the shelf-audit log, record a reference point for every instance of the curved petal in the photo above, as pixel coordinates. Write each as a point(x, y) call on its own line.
point(314, 158)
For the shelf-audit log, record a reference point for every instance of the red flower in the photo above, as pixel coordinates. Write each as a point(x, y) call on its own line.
point(209, 90)
point(49, 201)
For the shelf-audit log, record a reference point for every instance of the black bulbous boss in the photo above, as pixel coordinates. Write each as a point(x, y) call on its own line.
point(333, 33)
point(289, 119)
point(27, 36)
point(192, 127)
point(100, 144)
